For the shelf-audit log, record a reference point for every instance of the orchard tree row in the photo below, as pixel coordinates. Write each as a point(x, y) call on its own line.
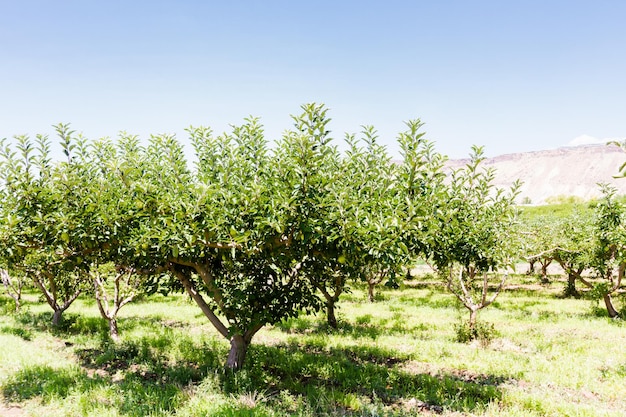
point(253, 231)
point(588, 243)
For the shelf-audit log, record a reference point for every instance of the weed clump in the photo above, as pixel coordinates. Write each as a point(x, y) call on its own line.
point(481, 332)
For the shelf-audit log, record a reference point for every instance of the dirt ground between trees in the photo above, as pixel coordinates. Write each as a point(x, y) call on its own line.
point(10, 411)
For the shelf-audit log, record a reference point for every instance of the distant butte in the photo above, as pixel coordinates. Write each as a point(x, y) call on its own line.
point(568, 171)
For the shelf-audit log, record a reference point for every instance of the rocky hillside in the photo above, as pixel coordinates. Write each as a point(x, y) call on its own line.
point(569, 171)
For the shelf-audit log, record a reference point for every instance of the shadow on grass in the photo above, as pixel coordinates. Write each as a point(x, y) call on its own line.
point(142, 377)
point(47, 382)
point(144, 299)
point(70, 323)
point(167, 358)
point(371, 372)
point(434, 299)
point(530, 290)
point(599, 311)
point(147, 376)
point(365, 326)
point(309, 325)
point(77, 324)
point(135, 397)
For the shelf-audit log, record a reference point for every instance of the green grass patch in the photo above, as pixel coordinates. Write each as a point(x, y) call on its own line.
point(547, 356)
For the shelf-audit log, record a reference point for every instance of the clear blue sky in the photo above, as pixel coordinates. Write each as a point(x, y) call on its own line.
point(510, 75)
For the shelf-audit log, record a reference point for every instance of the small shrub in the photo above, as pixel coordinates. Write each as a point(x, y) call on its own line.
point(482, 332)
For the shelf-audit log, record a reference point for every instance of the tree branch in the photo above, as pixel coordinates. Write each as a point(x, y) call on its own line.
point(545, 252)
point(466, 293)
point(197, 297)
point(101, 300)
point(620, 276)
point(69, 301)
point(247, 336)
point(461, 299)
point(47, 295)
point(495, 295)
point(585, 282)
point(485, 289)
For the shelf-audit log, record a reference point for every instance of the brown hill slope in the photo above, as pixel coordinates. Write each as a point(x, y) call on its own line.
point(569, 171)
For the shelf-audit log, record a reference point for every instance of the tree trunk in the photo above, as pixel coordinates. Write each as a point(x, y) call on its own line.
point(13, 288)
point(330, 304)
point(544, 273)
point(17, 297)
point(570, 289)
point(330, 313)
point(113, 331)
point(531, 268)
point(237, 354)
point(57, 317)
point(472, 320)
point(370, 291)
point(609, 306)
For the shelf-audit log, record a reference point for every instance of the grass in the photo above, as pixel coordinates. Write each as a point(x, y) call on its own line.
point(551, 357)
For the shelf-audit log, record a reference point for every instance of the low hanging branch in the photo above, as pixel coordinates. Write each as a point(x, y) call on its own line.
point(206, 276)
point(197, 297)
point(13, 287)
point(548, 252)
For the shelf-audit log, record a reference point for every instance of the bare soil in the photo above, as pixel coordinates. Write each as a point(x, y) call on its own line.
point(10, 411)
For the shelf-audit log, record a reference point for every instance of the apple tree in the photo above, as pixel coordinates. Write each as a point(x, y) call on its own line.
point(471, 237)
point(574, 252)
point(540, 240)
point(13, 286)
point(359, 236)
point(609, 252)
point(239, 232)
point(47, 227)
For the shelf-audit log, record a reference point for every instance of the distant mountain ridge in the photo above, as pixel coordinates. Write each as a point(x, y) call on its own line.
point(567, 171)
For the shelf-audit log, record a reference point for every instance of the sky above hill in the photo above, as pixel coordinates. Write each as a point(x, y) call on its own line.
point(512, 76)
